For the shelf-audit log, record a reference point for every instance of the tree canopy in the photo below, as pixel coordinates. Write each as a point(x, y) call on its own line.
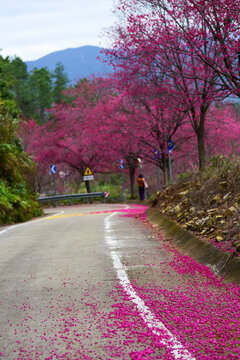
point(17, 202)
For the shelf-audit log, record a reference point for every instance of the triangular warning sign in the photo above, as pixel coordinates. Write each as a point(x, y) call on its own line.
point(88, 171)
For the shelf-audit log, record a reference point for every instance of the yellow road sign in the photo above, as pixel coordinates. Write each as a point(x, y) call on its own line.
point(88, 172)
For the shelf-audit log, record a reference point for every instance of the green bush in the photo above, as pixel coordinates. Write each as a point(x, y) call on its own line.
point(16, 204)
point(184, 176)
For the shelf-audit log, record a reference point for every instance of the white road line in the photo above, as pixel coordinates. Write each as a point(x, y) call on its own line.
point(27, 223)
point(157, 327)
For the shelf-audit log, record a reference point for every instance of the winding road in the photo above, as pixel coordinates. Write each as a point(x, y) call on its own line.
point(101, 282)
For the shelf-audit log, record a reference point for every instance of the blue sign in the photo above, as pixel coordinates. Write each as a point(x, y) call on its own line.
point(156, 154)
point(170, 146)
point(53, 169)
point(121, 166)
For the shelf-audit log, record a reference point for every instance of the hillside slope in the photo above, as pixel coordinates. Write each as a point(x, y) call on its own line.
point(207, 204)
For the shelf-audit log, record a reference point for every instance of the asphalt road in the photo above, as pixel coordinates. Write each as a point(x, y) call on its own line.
point(95, 282)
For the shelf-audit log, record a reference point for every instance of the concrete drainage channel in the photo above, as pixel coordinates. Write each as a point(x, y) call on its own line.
point(203, 252)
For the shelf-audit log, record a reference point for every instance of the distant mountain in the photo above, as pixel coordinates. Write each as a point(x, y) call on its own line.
point(78, 62)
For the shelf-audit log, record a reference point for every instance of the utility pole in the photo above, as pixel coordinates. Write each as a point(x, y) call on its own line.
point(122, 175)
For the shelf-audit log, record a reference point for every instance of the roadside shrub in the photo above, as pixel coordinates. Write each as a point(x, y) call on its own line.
point(16, 204)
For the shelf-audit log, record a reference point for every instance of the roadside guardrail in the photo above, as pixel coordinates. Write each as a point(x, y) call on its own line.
point(70, 197)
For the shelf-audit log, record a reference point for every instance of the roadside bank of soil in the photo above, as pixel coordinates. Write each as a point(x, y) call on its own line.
point(201, 211)
point(222, 263)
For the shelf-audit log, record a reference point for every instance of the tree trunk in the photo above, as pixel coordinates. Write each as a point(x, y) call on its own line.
point(88, 186)
point(165, 171)
point(132, 181)
point(201, 143)
point(158, 178)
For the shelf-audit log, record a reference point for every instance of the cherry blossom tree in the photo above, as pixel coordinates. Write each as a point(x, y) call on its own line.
point(222, 131)
point(220, 23)
point(118, 136)
point(151, 46)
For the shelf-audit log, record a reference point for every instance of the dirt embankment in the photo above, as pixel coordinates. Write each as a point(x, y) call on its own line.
point(207, 204)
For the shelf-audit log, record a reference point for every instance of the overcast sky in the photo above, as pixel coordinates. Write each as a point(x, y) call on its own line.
point(31, 29)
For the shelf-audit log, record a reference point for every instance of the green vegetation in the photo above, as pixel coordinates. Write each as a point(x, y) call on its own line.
point(17, 203)
point(111, 184)
point(36, 91)
point(60, 82)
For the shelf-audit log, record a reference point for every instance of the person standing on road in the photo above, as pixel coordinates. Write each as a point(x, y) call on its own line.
point(141, 187)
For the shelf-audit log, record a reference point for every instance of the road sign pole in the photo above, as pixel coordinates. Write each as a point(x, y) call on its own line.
point(170, 147)
point(54, 184)
point(88, 186)
point(170, 167)
point(123, 186)
point(53, 171)
point(143, 171)
point(87, 177)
